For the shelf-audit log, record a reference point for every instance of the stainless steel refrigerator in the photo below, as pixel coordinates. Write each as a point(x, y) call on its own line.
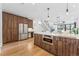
point(23, 31)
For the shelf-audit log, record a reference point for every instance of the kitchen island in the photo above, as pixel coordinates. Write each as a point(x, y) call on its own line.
point(58, 44)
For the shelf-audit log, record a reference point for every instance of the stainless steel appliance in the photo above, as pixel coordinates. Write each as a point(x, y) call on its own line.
point(23, 31)
point(48, 39)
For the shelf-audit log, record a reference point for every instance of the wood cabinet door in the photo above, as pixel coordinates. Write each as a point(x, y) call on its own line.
point(73, 47)
point(15, 28)
point(77, 47)
point(63, 47)
point(35, 39)
point(5, 25)
point(38, 39)
point(53, 47)
point(47, 47)
point(60, 46)
point(30, 23)
point(9, 28)
point(76, 44)
point(54, 50)
point(10, 24)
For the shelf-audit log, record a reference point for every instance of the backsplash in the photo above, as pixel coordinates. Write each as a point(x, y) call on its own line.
point(39, 26)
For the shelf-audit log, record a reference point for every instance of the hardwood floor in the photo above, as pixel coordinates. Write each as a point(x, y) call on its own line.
point(23, 48)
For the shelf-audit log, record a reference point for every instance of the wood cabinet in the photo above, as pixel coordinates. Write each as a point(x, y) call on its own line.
point(30, 23)
point(66, 46)
point(5, 26)
point(38, 39)
point(77, 48)
point(25, 21)
point(45, 46)
point(15, 28)
point(11, 26)
point(53, 47)
point(61, 46)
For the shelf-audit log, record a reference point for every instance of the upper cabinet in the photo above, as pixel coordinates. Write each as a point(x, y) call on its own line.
point(25, 21)
point(30, 23)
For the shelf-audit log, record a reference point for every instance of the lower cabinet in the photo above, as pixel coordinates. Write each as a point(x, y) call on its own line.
point(78, 48)
point(67, 46)
point(61, 46)
point(46, 47)
point(38, 39)
point(53, 48)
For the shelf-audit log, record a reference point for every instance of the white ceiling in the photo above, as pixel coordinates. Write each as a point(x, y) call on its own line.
point(39, 11)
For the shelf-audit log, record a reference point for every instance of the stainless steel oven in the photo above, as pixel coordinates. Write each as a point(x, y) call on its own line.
point(48, 39)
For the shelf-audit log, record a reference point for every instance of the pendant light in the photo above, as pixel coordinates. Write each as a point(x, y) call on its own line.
point(48, 13)
point(67, 10)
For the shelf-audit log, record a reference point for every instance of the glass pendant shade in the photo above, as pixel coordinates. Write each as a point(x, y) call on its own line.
point(67, 13)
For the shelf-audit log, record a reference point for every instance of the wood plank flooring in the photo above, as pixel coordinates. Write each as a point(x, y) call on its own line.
point(23, 48)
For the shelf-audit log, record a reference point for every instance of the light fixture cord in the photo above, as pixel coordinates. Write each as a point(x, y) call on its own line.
point(67, 7)
point(48, 12)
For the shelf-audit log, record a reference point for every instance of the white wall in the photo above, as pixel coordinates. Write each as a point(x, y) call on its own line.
point(0, 25)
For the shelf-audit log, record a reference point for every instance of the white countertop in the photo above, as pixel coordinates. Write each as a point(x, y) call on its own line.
point(59, 34)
